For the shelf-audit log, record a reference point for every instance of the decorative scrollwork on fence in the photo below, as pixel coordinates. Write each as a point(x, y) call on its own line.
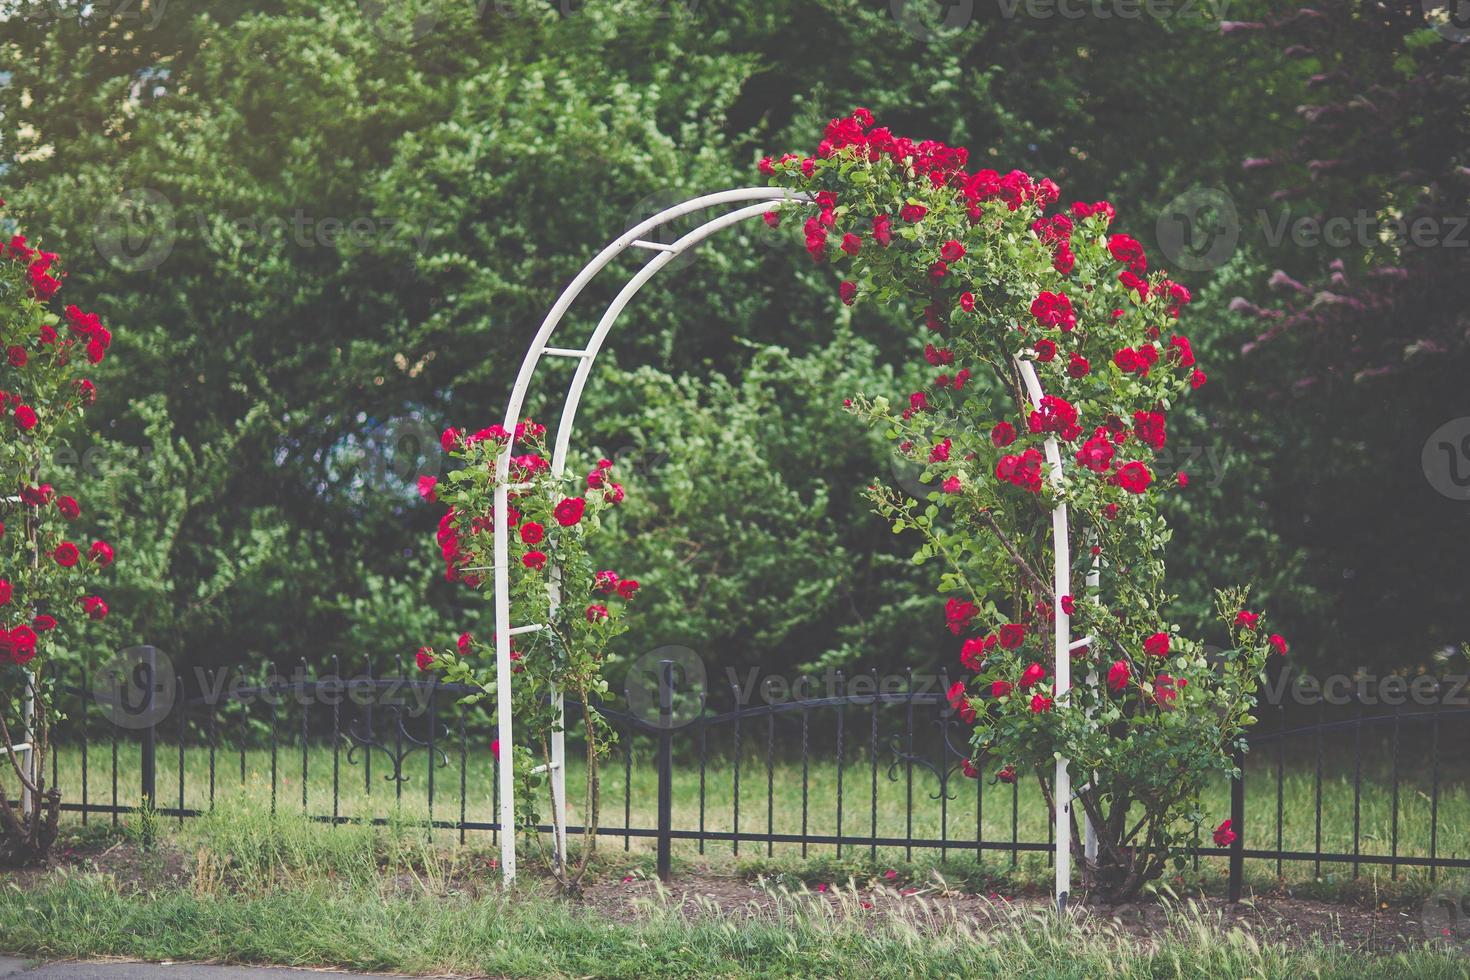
point(943, 769)
point(397, 745)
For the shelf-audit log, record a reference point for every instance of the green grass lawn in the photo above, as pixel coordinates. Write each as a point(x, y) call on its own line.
point(241, 886)
point(775, 801)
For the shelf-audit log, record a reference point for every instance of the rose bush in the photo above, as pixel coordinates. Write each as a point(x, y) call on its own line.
point(554, 582)
point(997, 275)
point(47, 569)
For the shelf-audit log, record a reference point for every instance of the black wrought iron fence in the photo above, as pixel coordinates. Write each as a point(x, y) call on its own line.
point(877, 766)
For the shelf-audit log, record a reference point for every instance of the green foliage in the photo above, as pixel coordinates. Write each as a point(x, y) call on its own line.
point(490, 155)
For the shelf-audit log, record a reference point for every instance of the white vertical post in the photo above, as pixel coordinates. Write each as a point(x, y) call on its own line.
point(558, 759)
point(28, 763)
point(1089, 832)
point(1061, 585)
point(504, 729)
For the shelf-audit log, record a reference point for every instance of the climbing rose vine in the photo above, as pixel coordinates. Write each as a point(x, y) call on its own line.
point(996, 273)
point(48, 569)
point(553, 582)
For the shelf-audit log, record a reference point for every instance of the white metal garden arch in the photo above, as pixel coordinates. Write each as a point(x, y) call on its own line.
point(764, 199)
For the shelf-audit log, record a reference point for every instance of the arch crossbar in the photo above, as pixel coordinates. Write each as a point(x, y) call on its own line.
point(754, 201)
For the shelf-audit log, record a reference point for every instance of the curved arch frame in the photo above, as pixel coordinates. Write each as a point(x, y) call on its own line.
point(764, 198)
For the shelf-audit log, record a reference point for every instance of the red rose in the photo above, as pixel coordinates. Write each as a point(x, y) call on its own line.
point(1150, 429)
point(1224, 836)
point(605, 582)
point(44, 623)
point(967, 301)
point(25, 418)
point(88, 391)
point(1040, 703)
point(1096, 453)
point(1246, 620)
point(1031, 675)
point(596, 614)
point(37, 496)
point(1068, 605)
point(20, 643)
point(1053, 414)
point(427, 488)
point(532, 533)
point(1157, 645)
point(1062, 259)
point(958, 613)
point(847, 291)
point(466, 642)
point(1006, 774)
point(1078, 366)
point(882, 229)
point(101, 553)
point(999, 689)
point(951, 251)
point(17, 356)
point(852, 244)
point(628, 588)
point(1045, 350)
point(534, 559)
point(952, 485)
point(570, 511)
point(968, 768)
point(1003, 434)
point(424, 658)
point(1053, 310)
point(94, 607)
point(449, 439)
point(66, 554)
point(6, 591)
point(1197, 380)
point(972, 654)
point(940, 453)
point(1118, 675)
point(1127, 250)
point(912, 212)
point(1012, 635)
point(1278, 643)
point(1133, 477)
point(1182, 478)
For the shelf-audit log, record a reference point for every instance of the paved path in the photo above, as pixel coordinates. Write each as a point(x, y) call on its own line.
point(19, 969)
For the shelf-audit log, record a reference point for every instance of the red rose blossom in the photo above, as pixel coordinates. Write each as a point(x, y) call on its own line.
point(570, 511)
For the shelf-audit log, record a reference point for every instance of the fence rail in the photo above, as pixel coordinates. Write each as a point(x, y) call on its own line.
point(888, 771)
